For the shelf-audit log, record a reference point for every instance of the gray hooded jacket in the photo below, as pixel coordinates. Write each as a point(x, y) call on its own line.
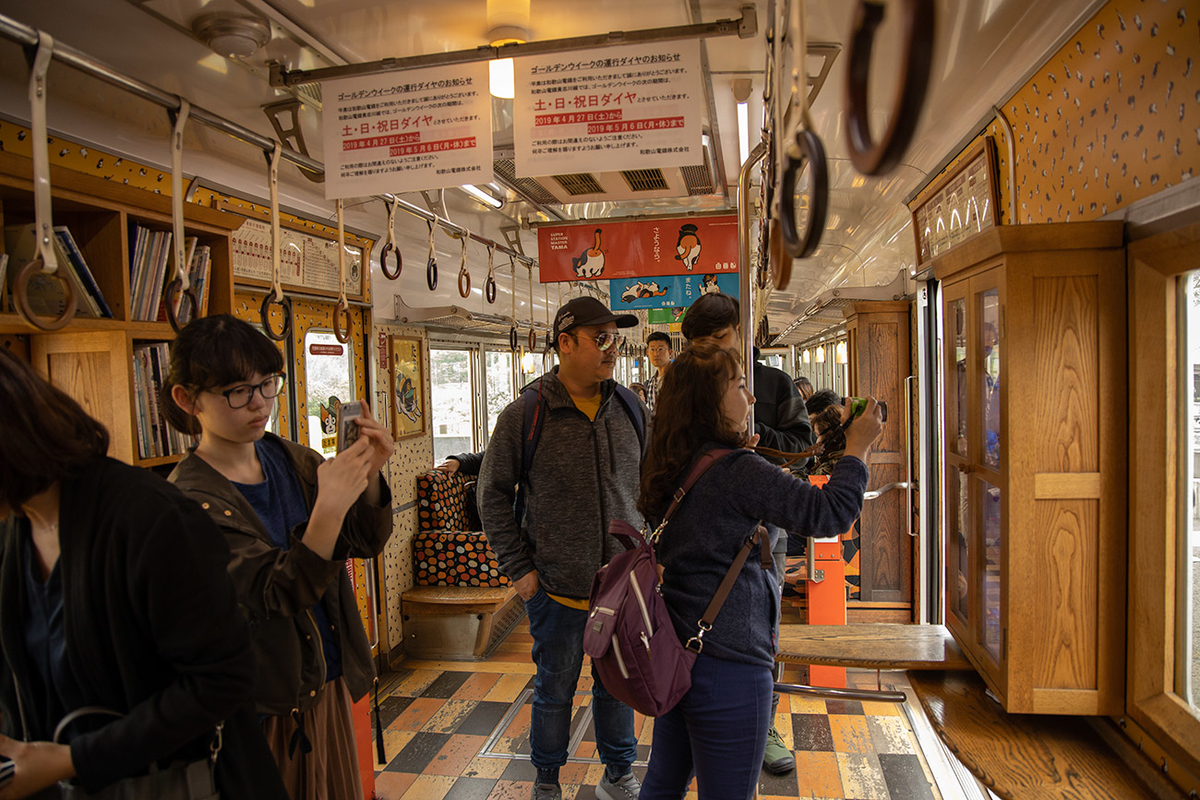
point(584, 474)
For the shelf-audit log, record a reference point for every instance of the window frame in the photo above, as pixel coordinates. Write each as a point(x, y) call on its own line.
point(1155, 265)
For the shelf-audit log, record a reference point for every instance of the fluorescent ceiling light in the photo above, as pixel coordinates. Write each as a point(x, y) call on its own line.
point(481, 195)
point(743, 122)
point(502, 84)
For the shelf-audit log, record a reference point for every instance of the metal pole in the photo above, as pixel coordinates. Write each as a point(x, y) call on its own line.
point(27, 36)
point(744, 277)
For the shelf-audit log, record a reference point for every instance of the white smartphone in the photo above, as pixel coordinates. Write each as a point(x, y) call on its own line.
point(347, 427)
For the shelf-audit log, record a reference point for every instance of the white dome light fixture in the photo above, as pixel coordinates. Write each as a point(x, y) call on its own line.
point(232, 35)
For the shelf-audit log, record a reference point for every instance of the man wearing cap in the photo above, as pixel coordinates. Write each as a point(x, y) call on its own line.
point(583, 473)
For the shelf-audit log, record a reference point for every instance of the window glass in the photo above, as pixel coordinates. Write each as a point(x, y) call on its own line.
point(329, 380)
point(992, 541)
point(990, 386)
point(956, 408)
point(498, 367)
point(1187, 616)
point(453, 432)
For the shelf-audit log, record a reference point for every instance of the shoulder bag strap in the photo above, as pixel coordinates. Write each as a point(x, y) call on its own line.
point(705, 623)
point(701, 466)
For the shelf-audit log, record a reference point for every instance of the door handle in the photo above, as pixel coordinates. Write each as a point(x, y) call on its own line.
point(882, 490)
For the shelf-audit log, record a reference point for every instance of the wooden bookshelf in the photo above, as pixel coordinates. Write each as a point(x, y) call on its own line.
point(92, 358)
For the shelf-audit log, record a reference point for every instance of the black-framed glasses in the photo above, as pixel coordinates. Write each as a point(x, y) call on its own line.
point(604, 339)
point(241, 395)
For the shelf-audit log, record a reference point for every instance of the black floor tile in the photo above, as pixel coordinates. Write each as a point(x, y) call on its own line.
point(844, 707)
point(419, 751)
point(447, 684)
point(904, 777)
point(811, 732)
point(471, 789)
point(781, 785)
point(483, 719)
point(519, 769)
point(392, 707)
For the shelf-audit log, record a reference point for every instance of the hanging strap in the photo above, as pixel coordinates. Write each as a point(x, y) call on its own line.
point(181, 284)
point(342, 309)
point(276, 294)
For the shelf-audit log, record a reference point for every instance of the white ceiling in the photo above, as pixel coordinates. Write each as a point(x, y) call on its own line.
point(983, 50)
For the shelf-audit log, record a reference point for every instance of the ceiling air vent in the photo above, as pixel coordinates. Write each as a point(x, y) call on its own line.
point(579, 184)
point(645, 180)
point(506, 168)
point(699, 180)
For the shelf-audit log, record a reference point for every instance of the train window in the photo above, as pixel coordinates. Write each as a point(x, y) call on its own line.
point(1187, 617)
point(328, 380)
point(452, 406)
point(498, 372)
point(990, 342)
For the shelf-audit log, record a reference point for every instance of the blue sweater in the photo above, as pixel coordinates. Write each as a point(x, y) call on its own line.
point(722, 509)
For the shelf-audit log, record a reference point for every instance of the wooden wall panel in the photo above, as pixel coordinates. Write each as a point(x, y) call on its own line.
point(1067, 575)
point(1067, 356)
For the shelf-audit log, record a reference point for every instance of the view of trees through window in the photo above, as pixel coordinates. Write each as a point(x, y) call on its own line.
point(450, 371)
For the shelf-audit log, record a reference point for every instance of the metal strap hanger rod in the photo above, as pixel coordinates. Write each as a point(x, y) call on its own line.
point(27, 36)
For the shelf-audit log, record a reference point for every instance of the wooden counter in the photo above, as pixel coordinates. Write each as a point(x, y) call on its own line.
point(872, 646)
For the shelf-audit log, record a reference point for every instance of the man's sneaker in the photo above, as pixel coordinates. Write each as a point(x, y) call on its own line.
point(546, 791)
point(626, 788)
point(777, 759)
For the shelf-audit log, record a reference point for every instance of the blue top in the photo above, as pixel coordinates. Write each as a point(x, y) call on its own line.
point(722, 509)
point(280, 506)
point(53, 688)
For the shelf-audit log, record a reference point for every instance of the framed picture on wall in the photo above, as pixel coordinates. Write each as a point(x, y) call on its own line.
point(409, 414)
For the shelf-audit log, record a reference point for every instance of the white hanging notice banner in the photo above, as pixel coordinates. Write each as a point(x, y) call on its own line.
point(614, 108)
point(407, 131)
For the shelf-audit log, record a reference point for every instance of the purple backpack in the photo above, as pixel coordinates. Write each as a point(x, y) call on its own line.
point(629, 635)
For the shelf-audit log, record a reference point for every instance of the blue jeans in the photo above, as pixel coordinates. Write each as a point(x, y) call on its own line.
point(557, 633)
point(716, 733)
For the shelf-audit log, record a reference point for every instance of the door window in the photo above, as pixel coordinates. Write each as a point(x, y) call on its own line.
point(329, 381)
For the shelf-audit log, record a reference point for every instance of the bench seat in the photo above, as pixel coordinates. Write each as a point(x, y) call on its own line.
point(458, 622)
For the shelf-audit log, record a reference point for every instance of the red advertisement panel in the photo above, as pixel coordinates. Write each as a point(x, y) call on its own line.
point(641, 248)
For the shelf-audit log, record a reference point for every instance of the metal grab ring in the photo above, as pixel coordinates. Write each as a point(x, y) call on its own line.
point(532, 339)
point(383, 267)
point(189, 294)
point(779, 262)
point(340, 309)
point(512, 338)
point(876, 158)
point(284, 303)
point(21, 298)
point(431, 274)
point(489, 289)
point(463, 275)
point(812, 154)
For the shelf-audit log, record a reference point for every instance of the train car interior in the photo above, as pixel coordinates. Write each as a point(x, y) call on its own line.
point(982, 212)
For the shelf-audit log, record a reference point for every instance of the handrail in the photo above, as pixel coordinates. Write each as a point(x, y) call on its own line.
point(27, 36)
point(743, 207)
point(873, 695)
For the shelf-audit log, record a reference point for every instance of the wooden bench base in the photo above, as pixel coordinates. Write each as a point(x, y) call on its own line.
point(458, 623)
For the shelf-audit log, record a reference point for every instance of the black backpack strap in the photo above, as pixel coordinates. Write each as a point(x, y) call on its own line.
point(536, 409)
point(634, 409)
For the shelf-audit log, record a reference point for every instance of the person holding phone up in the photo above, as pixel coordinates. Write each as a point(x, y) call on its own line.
point(291, 519)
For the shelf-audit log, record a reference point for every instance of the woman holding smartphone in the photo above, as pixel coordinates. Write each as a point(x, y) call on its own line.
point(291, 519)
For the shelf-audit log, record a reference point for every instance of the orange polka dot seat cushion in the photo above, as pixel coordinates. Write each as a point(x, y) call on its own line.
point(445, 551)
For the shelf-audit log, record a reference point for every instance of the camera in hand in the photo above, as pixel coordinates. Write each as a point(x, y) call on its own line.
point(859, 404)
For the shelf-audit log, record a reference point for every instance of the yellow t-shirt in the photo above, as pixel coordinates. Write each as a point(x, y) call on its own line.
point(590, 407)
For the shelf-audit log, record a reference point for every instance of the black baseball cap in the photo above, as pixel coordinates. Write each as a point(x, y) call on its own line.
point(587, 310)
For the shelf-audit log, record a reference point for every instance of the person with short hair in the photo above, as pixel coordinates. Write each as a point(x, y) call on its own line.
point(804, 387)
point(584, 474)
point(117, 619)
point(291, 518)
point(658, 351)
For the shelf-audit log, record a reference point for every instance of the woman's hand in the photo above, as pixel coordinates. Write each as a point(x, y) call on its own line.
point(38, 765)
point(380, 437)
point(864, 430)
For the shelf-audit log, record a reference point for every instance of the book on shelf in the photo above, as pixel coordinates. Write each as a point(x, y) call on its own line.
point(199, 261)
point(47, 295)
point(63, 234)
point(3, 282)
point(156, 438)
point(150, 250)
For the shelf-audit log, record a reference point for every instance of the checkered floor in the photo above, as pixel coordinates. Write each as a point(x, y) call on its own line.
point(459, 731)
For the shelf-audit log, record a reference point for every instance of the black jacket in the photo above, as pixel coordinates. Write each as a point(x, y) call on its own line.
point(151, 626)
point(780, 418)
point(276, 588)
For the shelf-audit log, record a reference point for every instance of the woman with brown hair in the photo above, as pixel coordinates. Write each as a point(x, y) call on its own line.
point(113, 600)
point(716, 730)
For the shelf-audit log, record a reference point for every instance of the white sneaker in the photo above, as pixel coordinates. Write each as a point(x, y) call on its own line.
point(626, 788)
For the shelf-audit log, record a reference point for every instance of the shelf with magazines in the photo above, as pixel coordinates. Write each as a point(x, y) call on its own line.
point(113, 241)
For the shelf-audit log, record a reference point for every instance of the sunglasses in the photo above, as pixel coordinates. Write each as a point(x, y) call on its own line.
point(604, 339)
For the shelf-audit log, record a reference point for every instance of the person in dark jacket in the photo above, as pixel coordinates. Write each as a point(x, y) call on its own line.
point(291, 519)
point(715, 732)
point(583, 475)
point(113, 595)
point(780, 422)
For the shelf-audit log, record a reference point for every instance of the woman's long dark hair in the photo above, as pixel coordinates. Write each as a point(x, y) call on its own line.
point(687, 415)
point(210, 352)
point(45, 435)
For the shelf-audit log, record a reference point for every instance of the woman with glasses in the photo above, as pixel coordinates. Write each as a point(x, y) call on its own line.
point(291, 519)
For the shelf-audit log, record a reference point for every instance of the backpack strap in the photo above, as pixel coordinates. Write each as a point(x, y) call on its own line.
point(634, 409)
point(705, 623)
point(699, 468)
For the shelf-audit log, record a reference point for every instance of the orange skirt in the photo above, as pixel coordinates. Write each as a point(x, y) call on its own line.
point(330, 771)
